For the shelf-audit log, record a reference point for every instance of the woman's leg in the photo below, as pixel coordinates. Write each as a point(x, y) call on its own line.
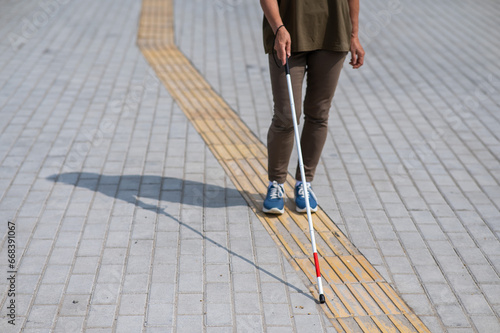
point(280, 136)
point(323, 71)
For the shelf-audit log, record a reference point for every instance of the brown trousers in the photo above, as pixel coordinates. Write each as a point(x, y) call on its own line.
point(323, 71)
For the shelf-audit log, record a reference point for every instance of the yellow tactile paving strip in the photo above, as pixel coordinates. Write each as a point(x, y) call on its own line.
point(357, 297)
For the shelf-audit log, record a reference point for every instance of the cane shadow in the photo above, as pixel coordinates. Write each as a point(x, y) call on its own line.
point(130, 188)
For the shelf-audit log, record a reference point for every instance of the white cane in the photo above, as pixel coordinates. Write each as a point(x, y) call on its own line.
point(304, 182)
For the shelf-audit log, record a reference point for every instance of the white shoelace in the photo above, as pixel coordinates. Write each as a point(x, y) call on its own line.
point(309, 191)
point(276, 191)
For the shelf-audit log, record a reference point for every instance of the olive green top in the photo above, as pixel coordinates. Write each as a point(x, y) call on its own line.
point(313, 25)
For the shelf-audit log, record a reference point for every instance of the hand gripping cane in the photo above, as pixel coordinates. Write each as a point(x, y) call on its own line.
point(304, 183)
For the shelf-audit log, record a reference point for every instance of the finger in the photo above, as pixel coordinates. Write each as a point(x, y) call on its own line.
point(285, 54)
point(353, 58)
point(361, 59)
point(286, 50)
point(279, 52)
point(282, 55)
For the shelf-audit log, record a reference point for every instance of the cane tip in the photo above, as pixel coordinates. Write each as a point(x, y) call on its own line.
point(322, 298)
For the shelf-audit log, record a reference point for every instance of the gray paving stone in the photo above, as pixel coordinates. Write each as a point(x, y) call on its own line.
point(218, 292)
point(106, 293)
point(129, 323)
point(404, 224)
point(109, 256)
point(56, 274)
point(217, 273)
point(189, 263)
point(307, 323)
point(190, 282)
point(32, 265)
point(69, 324)
point(245, 282)
point(433, 323)
point(162, 292)
point(459, 330)
point(483, 273)
point(26, 283)
point(486, 323)
point(476, 304)
point(132, 304)
point(276, 314)
point(101, 316)
point(452, 315)
point(49, 294)
point(273, 293)
point(430, 274)
point(91, 247)
point(270, 273)
point(463, 283)
point(407, 284)
point(110, 274)
point(247, 303)
point(80, 284)
point(75, 305)
point(163, 274)
point(249, 323)
point(41, 316)
point(420, 304)
point(135, 283)
point(218, 314)
point(451, 264)
point(61, 256)
point(391, 248)
point(159, 314)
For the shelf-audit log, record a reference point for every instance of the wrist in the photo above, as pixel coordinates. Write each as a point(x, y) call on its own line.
point(279, 27)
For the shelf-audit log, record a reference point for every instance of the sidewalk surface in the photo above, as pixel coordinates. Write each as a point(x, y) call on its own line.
point(124, 220)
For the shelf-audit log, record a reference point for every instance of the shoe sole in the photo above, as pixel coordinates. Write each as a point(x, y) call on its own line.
point(276, 211)
point(304, 210)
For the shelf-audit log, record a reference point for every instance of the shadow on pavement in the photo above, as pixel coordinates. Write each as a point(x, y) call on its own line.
point(130, 188)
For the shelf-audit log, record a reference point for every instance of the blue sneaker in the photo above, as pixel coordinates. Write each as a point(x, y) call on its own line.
point(274, 203)
point(300, 199)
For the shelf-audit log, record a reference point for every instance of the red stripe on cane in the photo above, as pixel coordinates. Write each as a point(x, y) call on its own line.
point(316, 263)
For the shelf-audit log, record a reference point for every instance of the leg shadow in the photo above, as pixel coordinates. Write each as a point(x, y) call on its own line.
point(130, 188)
